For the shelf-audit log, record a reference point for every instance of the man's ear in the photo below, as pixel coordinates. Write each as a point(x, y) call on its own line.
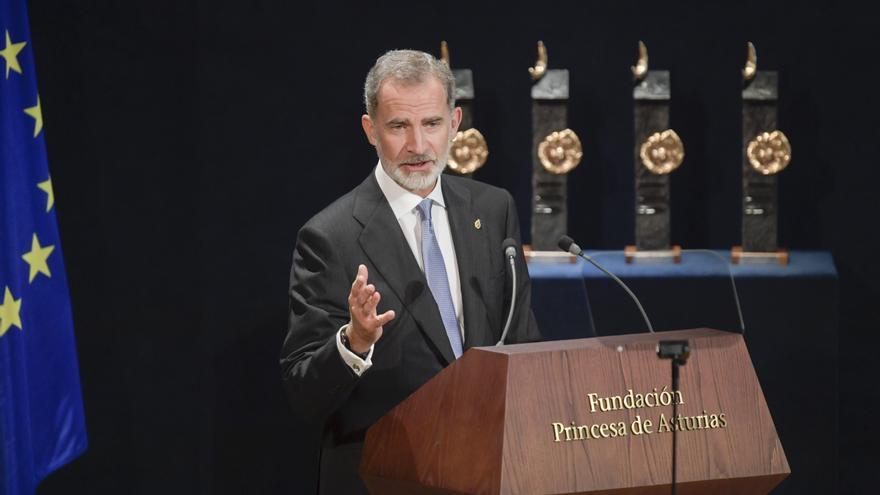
point(456, 119)
point(367, 124)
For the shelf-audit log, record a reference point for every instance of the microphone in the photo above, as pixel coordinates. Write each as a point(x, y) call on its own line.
point(566, 243)
point(509, 246)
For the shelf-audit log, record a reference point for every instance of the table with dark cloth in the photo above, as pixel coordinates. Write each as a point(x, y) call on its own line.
point(790, 314)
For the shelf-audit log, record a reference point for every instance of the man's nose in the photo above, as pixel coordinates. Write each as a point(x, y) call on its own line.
point(415, 141)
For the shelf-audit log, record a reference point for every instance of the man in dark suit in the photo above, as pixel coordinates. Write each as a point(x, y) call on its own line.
point(396, 279)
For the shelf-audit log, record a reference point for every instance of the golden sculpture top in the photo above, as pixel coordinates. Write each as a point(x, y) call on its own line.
point(560, 152)
point(540, 67)
point(468, 152)
point(641, 68)
point(662, 152)
point(444, 53)
point(769, 153)
point(751, 67)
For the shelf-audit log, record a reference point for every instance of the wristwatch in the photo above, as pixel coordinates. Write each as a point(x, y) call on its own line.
point(344, 338)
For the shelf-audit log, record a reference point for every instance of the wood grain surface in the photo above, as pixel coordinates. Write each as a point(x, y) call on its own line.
point(485, 424)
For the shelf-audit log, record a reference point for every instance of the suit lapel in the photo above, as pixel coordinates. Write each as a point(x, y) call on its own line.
point(471, 249)
point(390, 254)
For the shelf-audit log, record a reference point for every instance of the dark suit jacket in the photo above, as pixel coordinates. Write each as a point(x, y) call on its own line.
point(361, 228)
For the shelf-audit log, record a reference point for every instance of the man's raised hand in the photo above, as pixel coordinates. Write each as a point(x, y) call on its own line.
point(365, 327)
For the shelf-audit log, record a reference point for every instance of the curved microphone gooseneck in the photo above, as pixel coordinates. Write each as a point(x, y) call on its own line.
point(509, 246)
point(566, 243)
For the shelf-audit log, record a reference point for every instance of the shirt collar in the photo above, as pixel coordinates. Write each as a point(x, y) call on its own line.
point(401, 200)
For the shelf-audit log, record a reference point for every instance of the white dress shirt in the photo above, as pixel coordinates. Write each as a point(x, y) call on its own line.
point(404, 205)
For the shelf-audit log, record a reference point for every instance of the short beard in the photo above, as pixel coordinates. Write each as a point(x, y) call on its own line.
point(416, 181)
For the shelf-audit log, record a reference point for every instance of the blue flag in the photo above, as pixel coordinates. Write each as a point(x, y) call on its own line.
point(42, 425)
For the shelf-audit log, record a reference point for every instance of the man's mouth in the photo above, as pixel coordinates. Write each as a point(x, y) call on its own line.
point(418, 166)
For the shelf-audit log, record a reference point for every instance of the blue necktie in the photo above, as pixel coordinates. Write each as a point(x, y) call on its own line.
point(438, 282)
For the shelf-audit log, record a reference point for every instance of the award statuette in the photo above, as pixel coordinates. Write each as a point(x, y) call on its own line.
point(766, 152)
point(469, 149)
point(658, 152)
point(556, 150)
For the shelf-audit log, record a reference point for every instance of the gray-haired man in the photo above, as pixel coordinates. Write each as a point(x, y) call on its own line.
point(396, 279)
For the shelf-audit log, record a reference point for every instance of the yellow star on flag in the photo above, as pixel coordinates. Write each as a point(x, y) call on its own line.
point(37, 257)
point(46, 186)
point(9, 312)
point(10, 54)
point(37, 113)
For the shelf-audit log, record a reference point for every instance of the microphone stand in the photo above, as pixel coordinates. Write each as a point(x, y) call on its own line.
point(678, 351)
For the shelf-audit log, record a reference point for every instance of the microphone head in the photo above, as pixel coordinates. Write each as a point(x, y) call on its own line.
point(566, 242)
point(509, 246)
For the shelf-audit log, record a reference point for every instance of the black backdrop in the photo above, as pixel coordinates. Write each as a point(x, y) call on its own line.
point(190, 140)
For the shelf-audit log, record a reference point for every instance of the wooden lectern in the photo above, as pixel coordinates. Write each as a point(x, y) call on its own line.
point(589, 416)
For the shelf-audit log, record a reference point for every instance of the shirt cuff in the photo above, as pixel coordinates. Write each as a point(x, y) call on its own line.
point(352, 360)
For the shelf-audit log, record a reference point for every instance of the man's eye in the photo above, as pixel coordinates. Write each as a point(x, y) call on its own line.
point(433, 123)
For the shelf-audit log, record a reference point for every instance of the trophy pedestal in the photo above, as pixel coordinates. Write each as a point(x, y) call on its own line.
point(737, 256)
point(631, 253)
point(533, 256)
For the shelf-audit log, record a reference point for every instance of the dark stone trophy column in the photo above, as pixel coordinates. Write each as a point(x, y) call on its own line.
point(556, 150)
point(469, 150)
point(766, 152)
point(658, 151)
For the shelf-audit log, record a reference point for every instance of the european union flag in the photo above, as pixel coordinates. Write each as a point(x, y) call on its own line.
point(42, 425)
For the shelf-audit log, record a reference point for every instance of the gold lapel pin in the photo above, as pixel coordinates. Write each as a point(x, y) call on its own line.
point(477, 224)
